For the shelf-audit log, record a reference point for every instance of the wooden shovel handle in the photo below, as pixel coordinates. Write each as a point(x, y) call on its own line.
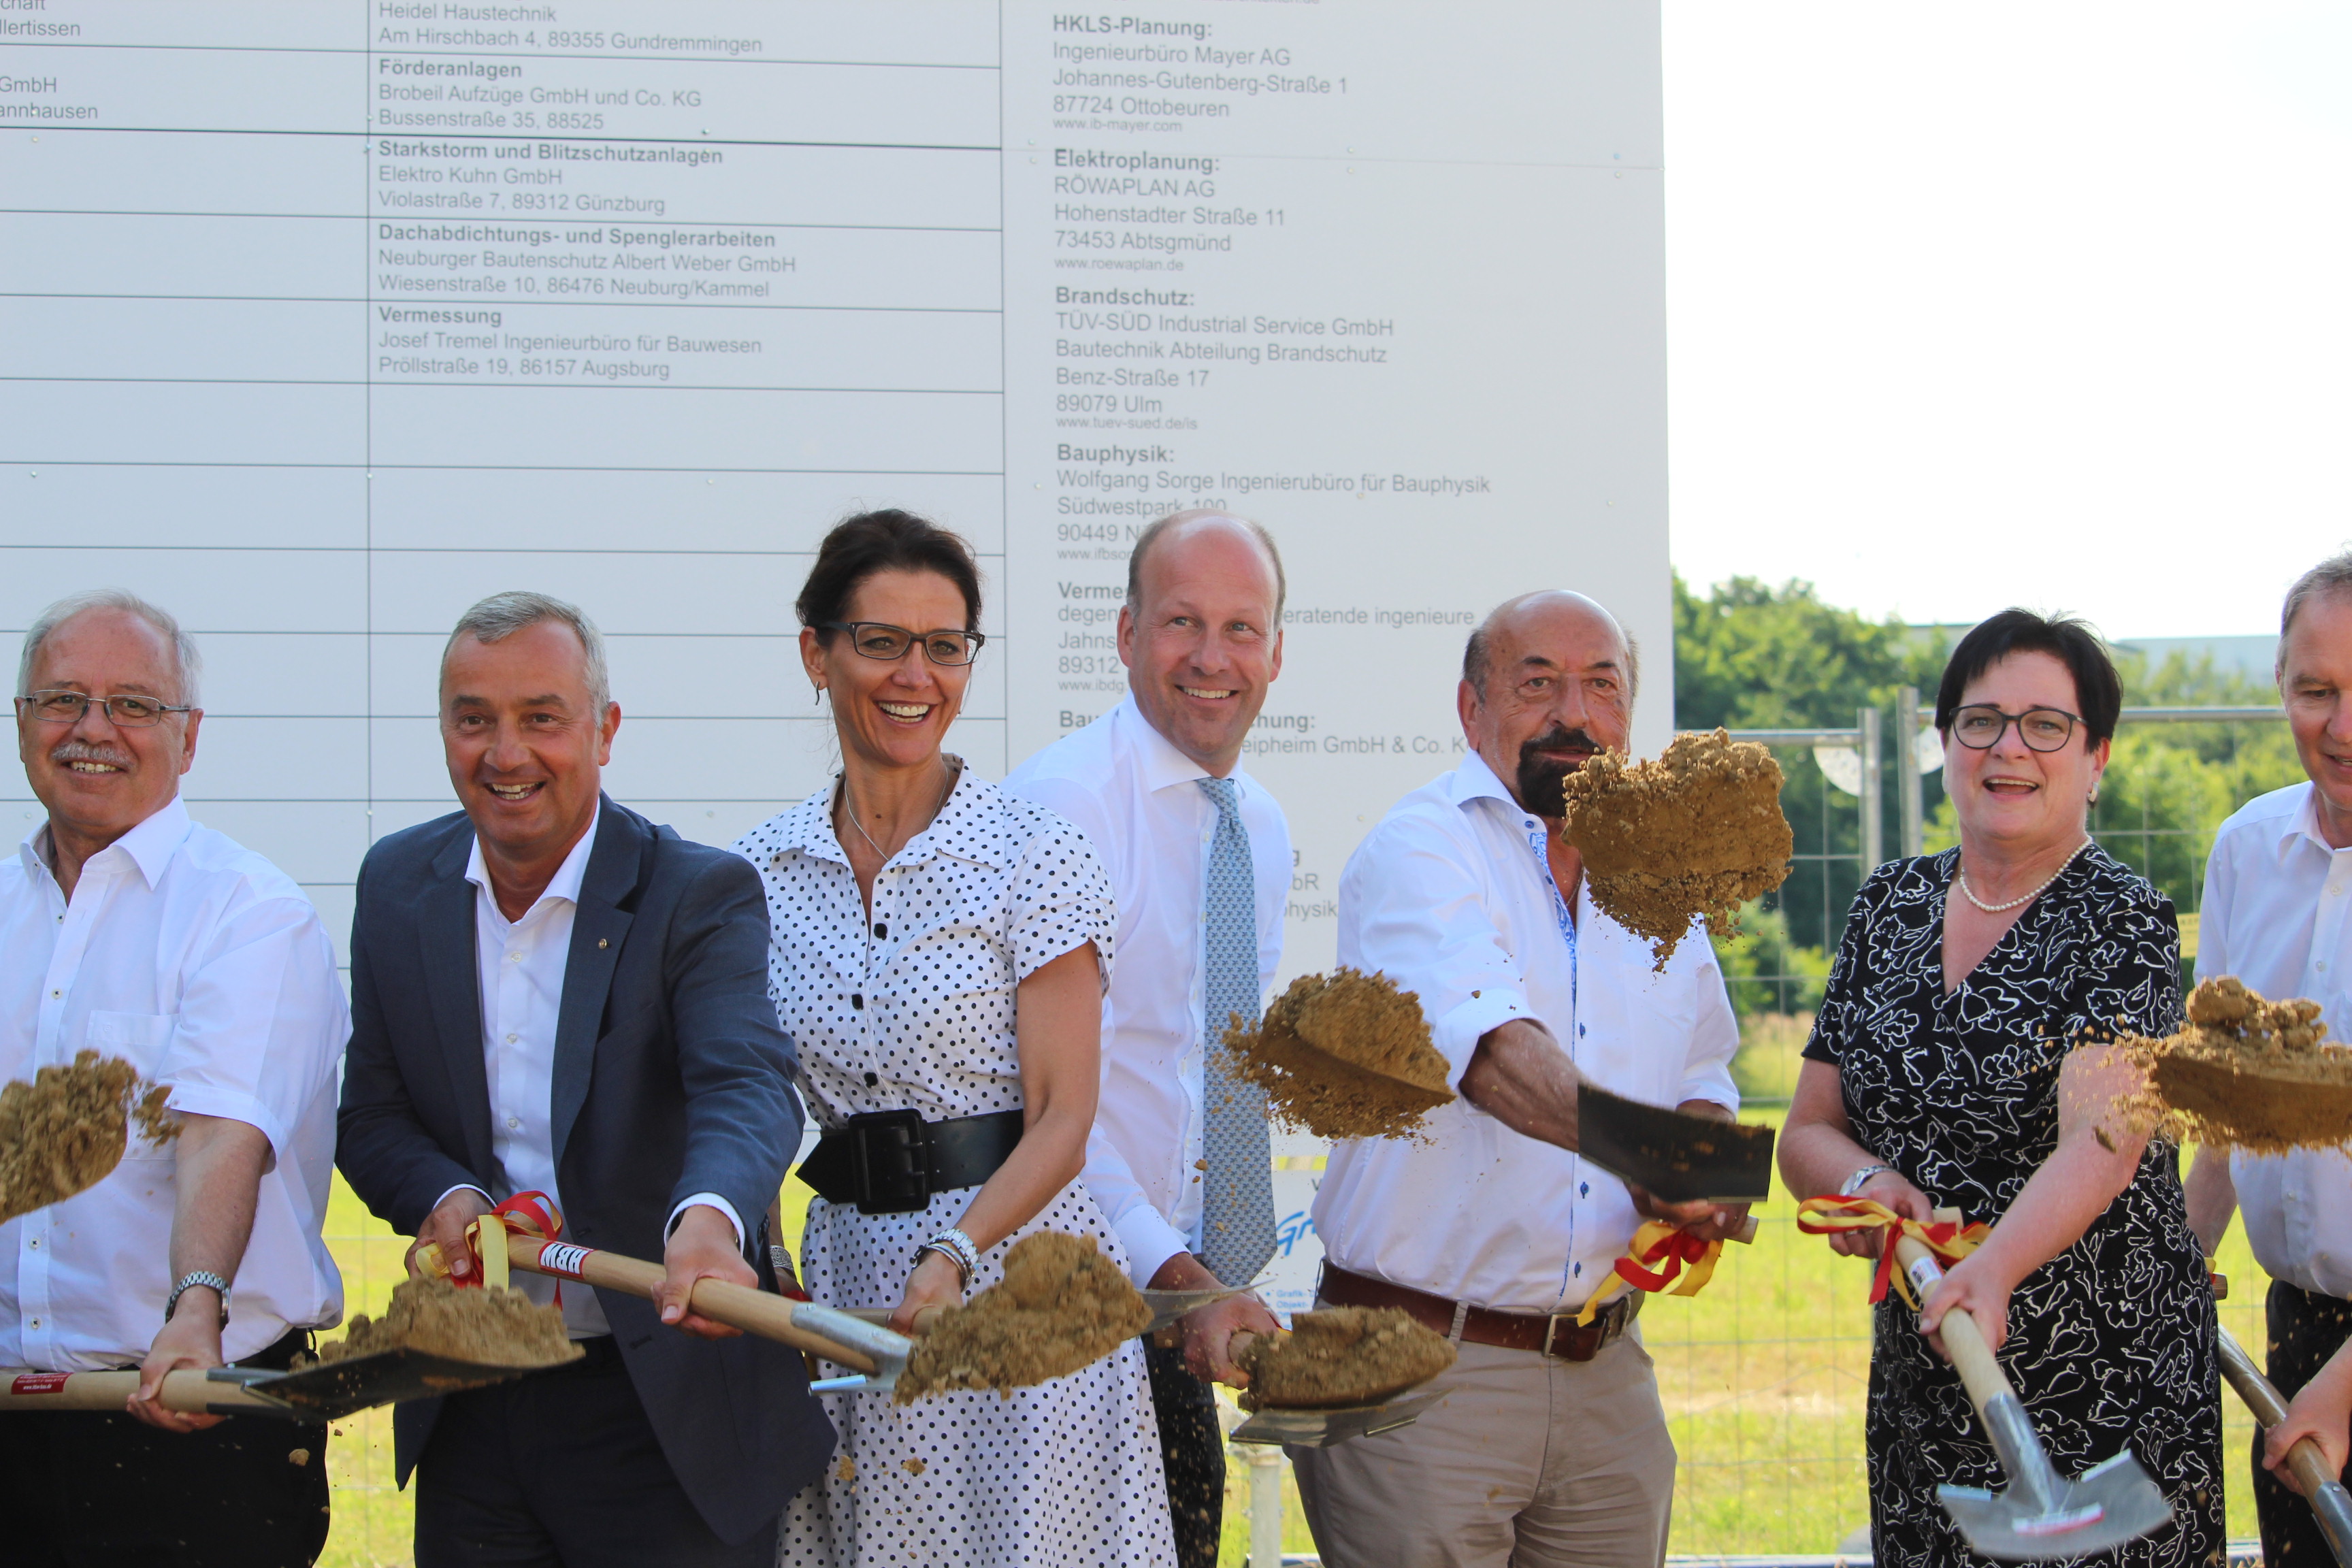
point(1962, 1339)
point(2307, 1459)
point(187, 1391)
point(736, 1305)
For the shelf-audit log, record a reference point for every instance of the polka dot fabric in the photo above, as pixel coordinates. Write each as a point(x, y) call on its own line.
point(911, 1005)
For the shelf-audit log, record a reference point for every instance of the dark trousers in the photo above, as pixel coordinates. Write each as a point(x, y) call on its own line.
point(1192, 1448)
point(2305, 1329)
point(95, 1490)
point(561, 1467)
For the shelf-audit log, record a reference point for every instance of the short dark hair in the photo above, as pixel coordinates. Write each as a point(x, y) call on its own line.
point(2098, 690)
point(886, 540)
point(1150, 536)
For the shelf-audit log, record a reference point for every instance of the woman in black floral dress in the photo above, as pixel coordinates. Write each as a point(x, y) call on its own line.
point(1938, 1075)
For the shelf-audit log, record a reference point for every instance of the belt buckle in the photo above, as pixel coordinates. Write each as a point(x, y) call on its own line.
point(891, 1170)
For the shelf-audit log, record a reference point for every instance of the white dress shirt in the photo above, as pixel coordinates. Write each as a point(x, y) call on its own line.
point(1136, 798)
point(521, 965)
point(207, 968)
point(1451, 896)
point(2274, 915)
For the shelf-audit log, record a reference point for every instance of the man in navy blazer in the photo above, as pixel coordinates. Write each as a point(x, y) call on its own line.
point(550, 993)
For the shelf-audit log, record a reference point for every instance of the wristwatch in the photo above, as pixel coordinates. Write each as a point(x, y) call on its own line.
point(1861, 1179)
point(188, 1282)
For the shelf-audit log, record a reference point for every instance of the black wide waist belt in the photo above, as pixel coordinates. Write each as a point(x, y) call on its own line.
point(892, 1161)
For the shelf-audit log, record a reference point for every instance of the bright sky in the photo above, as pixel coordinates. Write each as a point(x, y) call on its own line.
point(1997, 302)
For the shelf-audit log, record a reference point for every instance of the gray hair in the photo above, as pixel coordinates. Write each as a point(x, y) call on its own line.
point(1150, 536)
point(190, 663)
point(2332, 575)
point(1478, 655)
point(501, 616)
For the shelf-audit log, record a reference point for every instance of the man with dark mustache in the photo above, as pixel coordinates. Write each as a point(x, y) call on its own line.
point(1550, 1446)
point(129, 929)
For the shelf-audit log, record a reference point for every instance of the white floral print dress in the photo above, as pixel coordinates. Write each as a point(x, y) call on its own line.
point(912, 1006)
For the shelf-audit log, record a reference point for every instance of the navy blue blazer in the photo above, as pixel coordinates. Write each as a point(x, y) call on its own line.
point(671, 1079)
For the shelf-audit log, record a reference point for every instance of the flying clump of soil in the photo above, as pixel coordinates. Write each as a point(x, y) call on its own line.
point(1698, 832)
point(489, 1325)
point(1061, 1307)
point(1343, 1055)
point(2245, 1072)
point(1342, 1356)
point(64, 1132)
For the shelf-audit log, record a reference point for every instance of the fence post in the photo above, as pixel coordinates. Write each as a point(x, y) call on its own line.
point(1910, 793)
point(1872, 835)
point(1266, 1507)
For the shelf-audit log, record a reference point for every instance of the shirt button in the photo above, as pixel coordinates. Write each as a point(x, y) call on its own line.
point(514, 1122)
point(857, 1000)
point(35, 1243)
point(37, 1322)
point(872, 1078)
point(61, 993)
point(881, 930)
point(510, 1039)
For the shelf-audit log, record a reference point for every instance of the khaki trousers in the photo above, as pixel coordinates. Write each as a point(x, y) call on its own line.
point(1527, 1462)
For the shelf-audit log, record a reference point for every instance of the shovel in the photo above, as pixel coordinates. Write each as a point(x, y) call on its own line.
point(1671, 1155)
point(2327, 1495)
point(327, 1391)
point(1320, 1427)
point(875, 1353)
point(2042, 1515)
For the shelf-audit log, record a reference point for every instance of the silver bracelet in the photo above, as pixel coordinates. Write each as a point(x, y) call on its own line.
point(956, 1249)
point(1861, 1178)
point(188, 1282)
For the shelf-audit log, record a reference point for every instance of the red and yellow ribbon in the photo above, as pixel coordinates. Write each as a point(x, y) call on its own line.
point(1948, 1240)
point(1660, 1258)
point(533, 1214)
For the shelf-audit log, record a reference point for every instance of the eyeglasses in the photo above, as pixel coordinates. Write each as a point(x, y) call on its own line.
point(876, 639)
point(1980, 725)
point(128, 711)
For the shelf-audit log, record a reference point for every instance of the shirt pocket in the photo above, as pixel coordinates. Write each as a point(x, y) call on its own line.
point(140, 1040)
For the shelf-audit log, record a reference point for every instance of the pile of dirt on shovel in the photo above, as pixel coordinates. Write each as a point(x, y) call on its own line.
point(1696, 832)
point(2245, 1072)
point(64, 1132)
point(1342, 1356)
point(1344, 1057)
point(488, 1325)
point(1062, 1306)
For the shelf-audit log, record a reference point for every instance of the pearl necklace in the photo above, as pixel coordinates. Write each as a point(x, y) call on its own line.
point(1969, 893)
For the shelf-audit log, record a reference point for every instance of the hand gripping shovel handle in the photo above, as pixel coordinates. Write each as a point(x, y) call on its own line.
point(736, 1305)
point(2328, 1496)
point(188, 1391)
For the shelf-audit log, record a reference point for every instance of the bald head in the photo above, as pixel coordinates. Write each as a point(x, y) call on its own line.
point(1532, 609)
point(1205, 526)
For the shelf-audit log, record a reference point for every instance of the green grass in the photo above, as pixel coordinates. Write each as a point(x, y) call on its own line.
point(1763, 1374)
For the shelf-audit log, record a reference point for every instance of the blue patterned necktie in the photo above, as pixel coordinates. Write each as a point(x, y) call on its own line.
point(1237, 1190)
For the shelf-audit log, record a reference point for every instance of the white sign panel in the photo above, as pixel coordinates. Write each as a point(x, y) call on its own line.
point(320, 319)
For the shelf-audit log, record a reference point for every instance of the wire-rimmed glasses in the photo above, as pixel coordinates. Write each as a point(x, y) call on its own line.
point(129, 709)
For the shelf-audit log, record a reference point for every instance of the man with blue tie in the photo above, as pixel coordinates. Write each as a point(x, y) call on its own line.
point(550, 993)
point(1199, 857)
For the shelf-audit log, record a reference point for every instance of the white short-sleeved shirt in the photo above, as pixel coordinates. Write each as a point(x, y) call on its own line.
point(1452, 898)
point(1139, 801)
point(2277, 914)
point(207, 968)
point(913, 1005)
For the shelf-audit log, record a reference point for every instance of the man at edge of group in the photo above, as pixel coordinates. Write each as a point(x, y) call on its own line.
point(130, 930)
point(552, 994)
point(2278, 886)
point(1551, 1445)
point(1199, 857)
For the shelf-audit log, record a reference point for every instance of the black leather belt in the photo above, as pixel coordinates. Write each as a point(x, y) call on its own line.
point(892, 1161)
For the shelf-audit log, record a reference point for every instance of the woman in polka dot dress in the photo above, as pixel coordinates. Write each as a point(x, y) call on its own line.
point(940, 946)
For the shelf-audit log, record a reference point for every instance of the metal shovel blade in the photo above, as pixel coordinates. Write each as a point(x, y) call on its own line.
point(2106, 1506)
point(1681, 1159)
point(332, 1390)
point(1321, 1428)
point(1167, 1306)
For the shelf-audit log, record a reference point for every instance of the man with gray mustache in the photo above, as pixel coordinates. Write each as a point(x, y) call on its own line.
point(129, 929)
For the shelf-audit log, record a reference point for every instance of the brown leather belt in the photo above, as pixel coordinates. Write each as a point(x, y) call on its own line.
point(1554, 1334)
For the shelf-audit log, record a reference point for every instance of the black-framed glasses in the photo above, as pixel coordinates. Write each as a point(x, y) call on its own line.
point(128, 710)
point(878, 639)
point(1979, 727)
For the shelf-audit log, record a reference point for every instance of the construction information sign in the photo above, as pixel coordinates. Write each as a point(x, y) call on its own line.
point(320, 319)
